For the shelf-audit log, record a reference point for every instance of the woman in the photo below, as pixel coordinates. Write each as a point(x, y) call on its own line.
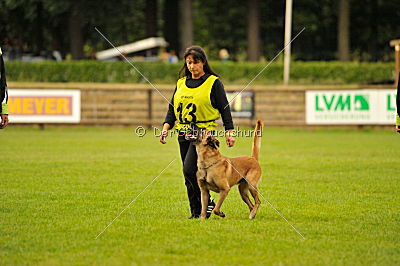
point(3, 94)
point(398, 106)
point(199, 97)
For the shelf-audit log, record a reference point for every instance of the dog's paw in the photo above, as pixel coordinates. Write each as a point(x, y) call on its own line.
point(220, 214)
point(252, 216)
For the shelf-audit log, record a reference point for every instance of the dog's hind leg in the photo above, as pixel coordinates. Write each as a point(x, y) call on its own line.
point(254, 192)
point(244, 192)
point(222, 195)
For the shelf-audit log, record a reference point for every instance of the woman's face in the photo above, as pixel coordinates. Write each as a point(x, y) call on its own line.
point(196, 68)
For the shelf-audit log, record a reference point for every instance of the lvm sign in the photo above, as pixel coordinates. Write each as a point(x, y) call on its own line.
point(359, 107)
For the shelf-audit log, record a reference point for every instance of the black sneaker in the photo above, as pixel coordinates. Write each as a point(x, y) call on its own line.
point(210, 208)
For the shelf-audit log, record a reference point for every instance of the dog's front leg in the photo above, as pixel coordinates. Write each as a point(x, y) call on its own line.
point(205, 193)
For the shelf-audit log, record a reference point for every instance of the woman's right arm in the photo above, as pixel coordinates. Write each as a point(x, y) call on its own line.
point(398, 106)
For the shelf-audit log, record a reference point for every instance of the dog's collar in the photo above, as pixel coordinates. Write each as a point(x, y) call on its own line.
point(209, 165)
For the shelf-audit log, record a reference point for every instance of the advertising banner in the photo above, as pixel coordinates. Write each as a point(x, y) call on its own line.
point(387, 107)
point(44, 106)
point(242, 104)
point(360, 107)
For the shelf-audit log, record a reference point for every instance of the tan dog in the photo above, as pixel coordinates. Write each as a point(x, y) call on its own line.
point(219, 173)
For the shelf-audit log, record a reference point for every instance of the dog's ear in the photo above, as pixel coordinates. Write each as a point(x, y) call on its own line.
point(213, 143)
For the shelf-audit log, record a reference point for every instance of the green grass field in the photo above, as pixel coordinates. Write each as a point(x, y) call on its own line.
point(60, 187)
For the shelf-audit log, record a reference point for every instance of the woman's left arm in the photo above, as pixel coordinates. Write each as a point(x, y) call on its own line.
point(220, 102)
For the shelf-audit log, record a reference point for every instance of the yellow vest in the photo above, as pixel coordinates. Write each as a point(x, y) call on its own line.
point(194, 105)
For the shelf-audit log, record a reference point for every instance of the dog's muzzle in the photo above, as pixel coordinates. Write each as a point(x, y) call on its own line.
point(193, 133)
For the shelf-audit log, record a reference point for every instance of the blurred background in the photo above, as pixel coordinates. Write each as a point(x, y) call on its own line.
point(345, 46)
point(356, 30)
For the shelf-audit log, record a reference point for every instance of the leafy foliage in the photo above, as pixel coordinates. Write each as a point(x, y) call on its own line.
point(39, 24)
point(230, 72)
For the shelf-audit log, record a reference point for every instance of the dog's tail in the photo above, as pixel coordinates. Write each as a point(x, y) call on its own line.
point(257, 139)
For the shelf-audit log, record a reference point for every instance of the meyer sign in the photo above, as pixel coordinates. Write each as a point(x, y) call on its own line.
point(44, 106)
point(334, 107)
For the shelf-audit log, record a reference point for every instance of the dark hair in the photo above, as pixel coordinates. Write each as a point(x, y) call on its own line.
point(198, 54)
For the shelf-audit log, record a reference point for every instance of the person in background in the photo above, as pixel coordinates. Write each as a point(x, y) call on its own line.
point(398, 106)
point(172, 58)
point(224, 55)
point(3, 94)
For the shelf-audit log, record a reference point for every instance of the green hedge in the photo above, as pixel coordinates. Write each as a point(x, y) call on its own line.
point(230, 72)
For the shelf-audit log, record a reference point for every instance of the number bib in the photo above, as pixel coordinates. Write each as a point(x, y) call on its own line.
point(194, 105)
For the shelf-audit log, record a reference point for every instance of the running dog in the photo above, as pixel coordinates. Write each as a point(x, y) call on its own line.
point(219, 173)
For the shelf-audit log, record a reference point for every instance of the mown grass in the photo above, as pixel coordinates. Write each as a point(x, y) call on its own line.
point(61, 186)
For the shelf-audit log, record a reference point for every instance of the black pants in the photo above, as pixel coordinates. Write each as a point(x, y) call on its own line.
point(189, 161)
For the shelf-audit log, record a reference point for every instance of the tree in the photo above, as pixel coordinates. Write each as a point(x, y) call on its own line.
point(219, 26)
point(151, 22)
point(319, 40)
point(171, 22)
point(373, 29)
point(343, 30)
point(253, 31)
point(242, 27)
point(151, 18)
point(75, 34)
point(186, 24)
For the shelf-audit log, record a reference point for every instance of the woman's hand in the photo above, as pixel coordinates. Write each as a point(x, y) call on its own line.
point(230, 140)
point(164, 133)
point(3, 121)
point(163, 136)
point(398, 123)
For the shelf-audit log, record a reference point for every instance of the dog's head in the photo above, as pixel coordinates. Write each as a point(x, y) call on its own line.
point(201, 136)
point(210, 140)
point(207, 139)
